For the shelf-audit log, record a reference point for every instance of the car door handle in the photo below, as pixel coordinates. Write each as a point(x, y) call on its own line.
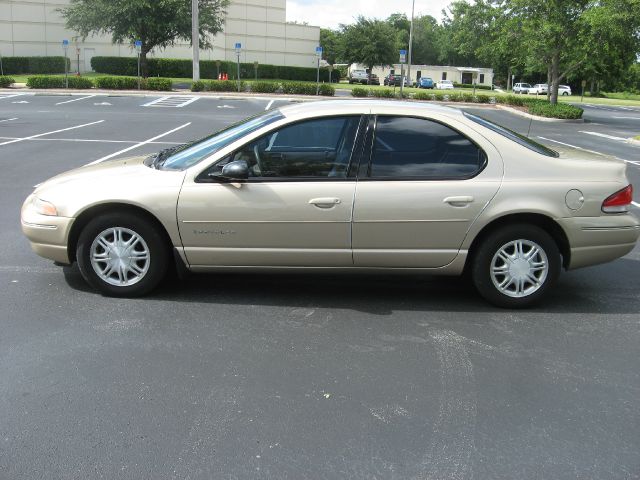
point(327, 202)
point(461, 201)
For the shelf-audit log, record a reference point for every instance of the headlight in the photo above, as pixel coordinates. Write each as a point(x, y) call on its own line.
point(42, 207)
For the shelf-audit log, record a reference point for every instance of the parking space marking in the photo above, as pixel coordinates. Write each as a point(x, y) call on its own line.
point(10, 95)
point(604, 135)
point(87, 140)
point(627, 118)
point(572, 146)
point(50, 133)
point(175, 101)
point(115, 154)
point(635, 204)
point(76, 99)
point(8, 119)
point(269, 105)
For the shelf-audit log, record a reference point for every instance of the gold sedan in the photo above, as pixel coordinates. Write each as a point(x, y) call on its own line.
point(345, 185)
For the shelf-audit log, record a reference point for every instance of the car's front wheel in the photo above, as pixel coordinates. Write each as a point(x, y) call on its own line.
point(515, 266)
point(122, 255)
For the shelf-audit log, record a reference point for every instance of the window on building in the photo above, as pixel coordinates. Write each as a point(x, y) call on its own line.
point(482, 78)
point(444, 75)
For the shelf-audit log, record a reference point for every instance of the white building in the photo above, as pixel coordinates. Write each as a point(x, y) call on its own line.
point(34, 28)
point(467, 75)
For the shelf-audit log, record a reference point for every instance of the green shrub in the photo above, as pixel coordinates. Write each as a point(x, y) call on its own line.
point(117, 83)
point(438, 97)
point(223, 86)
point(183, 68)
point(359, 92)
point(453, 97)
point(157, 83)
point(33, 65)
point(483, 98)
point(197, 86)
point(423, 96)
point(327, 90)
point(264, 87)
point(560, 110)
point(80, 82)
point(382, 92)
point(470, 85)
point(45, 81)
point(298, 88)
point(6, 81)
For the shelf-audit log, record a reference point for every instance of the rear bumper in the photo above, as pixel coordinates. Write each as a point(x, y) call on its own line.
point(595, 240)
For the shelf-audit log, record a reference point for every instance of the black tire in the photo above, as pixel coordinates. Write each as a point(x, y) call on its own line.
point(155, 265)
point(481, 265)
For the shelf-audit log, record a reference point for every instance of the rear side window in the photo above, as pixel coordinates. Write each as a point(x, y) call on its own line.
point(511, 135)
point(406, 148)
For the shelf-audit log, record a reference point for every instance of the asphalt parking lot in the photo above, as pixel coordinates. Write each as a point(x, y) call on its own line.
point(301, 376)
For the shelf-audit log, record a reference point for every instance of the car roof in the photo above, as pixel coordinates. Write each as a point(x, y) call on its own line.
point(337, 107)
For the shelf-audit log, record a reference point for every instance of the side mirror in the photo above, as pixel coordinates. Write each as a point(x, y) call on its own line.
point(238, 170)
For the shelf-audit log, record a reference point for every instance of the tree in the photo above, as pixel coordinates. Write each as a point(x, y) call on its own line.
point(369, 42)
point(157, 23)
point(330, 45)
point(425, 40)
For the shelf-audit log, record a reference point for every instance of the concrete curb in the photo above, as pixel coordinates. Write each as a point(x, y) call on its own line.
point(633, 141)
point(538, 118)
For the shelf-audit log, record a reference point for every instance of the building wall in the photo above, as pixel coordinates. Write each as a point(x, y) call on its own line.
point(435, 72)
point(34, 27)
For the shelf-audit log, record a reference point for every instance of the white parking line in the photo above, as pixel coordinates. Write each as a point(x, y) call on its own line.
point(137, 144)
point(604, 135)
point(87, 140)
point(50, 133)
point(175, 101)
point(572, 146)
point(3, 96)
point(76, 99)
point(635, 204)
point(8, 119)
point(627, 118)
point(269, 105)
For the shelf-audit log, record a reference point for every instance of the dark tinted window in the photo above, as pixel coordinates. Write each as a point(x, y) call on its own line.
point(412, 147)
point(516, 137)
point(319, 148)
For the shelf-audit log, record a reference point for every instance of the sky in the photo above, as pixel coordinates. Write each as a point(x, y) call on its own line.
point(331, 13)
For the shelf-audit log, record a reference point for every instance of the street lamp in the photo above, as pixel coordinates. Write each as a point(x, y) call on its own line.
point(195, 39)
point(413, 7)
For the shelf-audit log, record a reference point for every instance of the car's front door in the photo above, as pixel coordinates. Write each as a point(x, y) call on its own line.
point(425, 185)
point(294, 209)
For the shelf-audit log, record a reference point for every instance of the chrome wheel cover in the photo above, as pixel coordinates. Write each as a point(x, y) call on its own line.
point(120, 257)
point(519, 268)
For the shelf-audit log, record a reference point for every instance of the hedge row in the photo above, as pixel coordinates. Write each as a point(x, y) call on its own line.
point(107, 83)
point(534, 106)
point(290, 88)
point(183, 68)
point(45, 81)
point(6, 81)
point(35, 65)
point(470, 85)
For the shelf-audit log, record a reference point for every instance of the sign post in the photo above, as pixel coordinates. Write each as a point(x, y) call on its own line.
point(255, 70)
point(584, 84)
point(1, 69)
point(403, 59)
point(218, 63)
point(138, 44)
point(238, 50)
point(318, 56)
point(65, 47)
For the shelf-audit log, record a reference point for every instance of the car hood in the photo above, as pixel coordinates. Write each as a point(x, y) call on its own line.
point(126, 180)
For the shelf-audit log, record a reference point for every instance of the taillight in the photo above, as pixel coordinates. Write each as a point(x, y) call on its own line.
point(619, 202)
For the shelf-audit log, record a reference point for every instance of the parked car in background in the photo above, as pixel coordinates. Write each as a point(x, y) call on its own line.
point(538, 89)
point(564, 90)
point(521, 88)
point(449, 192)
point(395, 79)
point(444, 85)
point(425, 82)
point(361, 76)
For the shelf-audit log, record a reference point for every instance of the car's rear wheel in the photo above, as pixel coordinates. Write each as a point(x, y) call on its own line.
point(515, 266)
point(122, 255)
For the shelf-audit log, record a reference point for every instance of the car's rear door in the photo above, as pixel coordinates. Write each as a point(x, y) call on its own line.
point(294, 210)
point(424, 186)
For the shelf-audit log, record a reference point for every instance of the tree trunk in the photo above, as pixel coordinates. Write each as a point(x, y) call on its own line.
point(549, 83)
point(144, 67)
point(555, 74)
point(509, 86)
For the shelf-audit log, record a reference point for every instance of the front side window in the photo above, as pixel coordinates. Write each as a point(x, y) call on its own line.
point(406, 147)
point(318, 148)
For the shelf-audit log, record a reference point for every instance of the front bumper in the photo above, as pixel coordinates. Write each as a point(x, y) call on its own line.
point(595, 240)
point(48, 235)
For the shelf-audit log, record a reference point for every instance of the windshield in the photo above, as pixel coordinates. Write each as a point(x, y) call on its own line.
point(511, 135)
point(184, 156)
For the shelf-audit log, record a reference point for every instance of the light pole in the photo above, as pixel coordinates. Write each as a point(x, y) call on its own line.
point(195, 39)
point(413, 6)
point(318, 56)
point(238, 51)
point(65, 47)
